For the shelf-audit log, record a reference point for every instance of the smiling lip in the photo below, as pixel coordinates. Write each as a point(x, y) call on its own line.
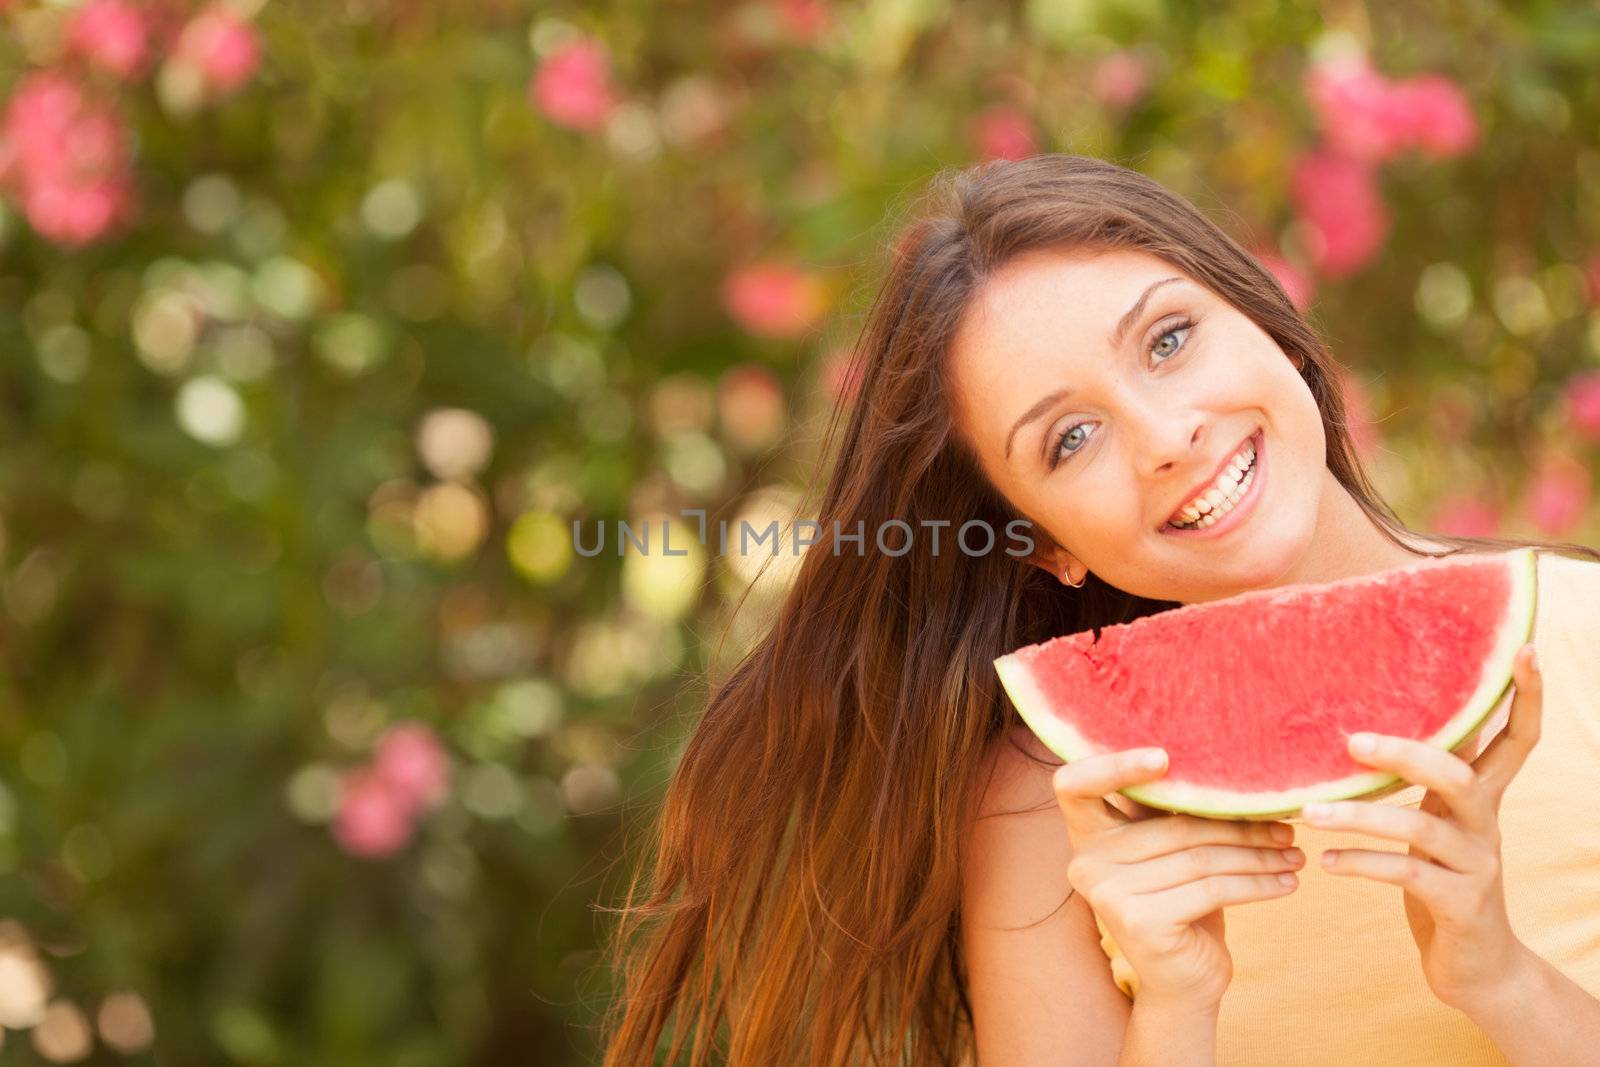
point(1233, 517)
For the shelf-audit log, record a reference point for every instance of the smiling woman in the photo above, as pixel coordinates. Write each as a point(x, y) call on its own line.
point(860, 856)
point(1170, 401)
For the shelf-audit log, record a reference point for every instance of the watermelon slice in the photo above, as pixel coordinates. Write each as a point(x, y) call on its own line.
point(1254, 697)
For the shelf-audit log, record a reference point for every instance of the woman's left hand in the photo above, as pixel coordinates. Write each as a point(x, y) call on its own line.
point(1454, 896)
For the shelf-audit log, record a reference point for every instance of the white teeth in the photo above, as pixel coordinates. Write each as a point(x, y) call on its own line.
point(1226, 485)
point(1218, 501)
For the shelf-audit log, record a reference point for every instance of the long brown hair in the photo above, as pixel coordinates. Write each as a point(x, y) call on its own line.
point(804, 904)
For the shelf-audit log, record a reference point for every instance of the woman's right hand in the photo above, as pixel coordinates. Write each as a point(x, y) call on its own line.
point(1159, 882)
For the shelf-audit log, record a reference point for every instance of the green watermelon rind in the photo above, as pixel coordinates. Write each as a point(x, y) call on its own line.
point(1494, 683)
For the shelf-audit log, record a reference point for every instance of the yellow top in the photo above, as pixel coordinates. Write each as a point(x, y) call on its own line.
point(1330, 974)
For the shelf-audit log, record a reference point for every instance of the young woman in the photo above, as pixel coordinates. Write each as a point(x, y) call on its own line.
point(865, 858)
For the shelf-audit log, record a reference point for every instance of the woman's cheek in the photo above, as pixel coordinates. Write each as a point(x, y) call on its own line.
point(1112, 518)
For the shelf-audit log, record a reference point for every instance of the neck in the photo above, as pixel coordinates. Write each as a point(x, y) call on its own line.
point(1348, 542)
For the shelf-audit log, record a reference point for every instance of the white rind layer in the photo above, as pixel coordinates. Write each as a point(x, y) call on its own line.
point(1062, 739)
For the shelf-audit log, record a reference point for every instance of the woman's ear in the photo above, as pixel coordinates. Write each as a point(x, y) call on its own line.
point(1059, 564)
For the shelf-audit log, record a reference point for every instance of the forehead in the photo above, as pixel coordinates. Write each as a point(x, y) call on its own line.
point(1046, 312)
point(1075, 295)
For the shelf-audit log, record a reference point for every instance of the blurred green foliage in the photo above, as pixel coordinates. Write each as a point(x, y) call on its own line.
point(294, 454)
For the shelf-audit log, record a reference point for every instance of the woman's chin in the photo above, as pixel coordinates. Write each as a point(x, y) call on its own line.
point(1206, 570)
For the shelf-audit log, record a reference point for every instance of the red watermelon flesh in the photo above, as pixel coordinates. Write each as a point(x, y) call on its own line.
point(1254, 697)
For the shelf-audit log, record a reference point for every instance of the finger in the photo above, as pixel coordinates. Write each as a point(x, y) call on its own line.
point(1134, 809)
point(1428, 882)
point(1506, 754)
point(1081, 786)
point(1137, 841)
point(1193, 901)
point(1436, 838)
point(1447, 775)
point(1204, 861)
point(1097, 776)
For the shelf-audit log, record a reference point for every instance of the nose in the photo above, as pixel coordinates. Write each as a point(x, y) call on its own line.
point(1167, 442)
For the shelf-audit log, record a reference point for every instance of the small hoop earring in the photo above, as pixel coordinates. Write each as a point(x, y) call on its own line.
point(1075, 584)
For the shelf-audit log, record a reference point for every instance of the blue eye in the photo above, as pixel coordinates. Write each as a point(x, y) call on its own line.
point(1073, 438)
point(1160, 348)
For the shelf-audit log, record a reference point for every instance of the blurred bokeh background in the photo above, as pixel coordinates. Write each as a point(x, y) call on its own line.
point(322, 321)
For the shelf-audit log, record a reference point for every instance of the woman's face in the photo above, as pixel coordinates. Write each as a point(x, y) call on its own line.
point(1104, 392)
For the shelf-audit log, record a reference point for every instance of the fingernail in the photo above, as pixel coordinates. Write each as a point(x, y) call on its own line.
point(1363, 744)
point(1533, 659)
point(1330, 859)
point(1153, 759)
point(1282, 834)
point(1292, 855)
point(1286, 878)
point(1316, 812)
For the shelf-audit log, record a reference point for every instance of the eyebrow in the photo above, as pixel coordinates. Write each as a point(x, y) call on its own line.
point(1117, 333)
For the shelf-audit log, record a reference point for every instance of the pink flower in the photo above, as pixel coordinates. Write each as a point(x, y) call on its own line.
point(1437, 115)
point(1358, 414)
point(91, 146)
point(1583, 404)
point(1119, 80)
point(1467, 516)
point(1339, 201)
point(76, 215)
point(573, 86)
point(1360, 113)
point(112, 35)
point(373, 820)
point(803, 20)
point(410, 760)
point(772, 299)
point(841, 375)
point(223, 47)
point(44, 105)
point(65, 160)
point(750, 407)
point(1365, 116)
point(1003, 132)
point(1559, 496)
point(1297, 284)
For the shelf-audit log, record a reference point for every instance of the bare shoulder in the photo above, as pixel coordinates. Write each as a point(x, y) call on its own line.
point(1019, 770)
point(1038, 980)
point(1017, 849)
